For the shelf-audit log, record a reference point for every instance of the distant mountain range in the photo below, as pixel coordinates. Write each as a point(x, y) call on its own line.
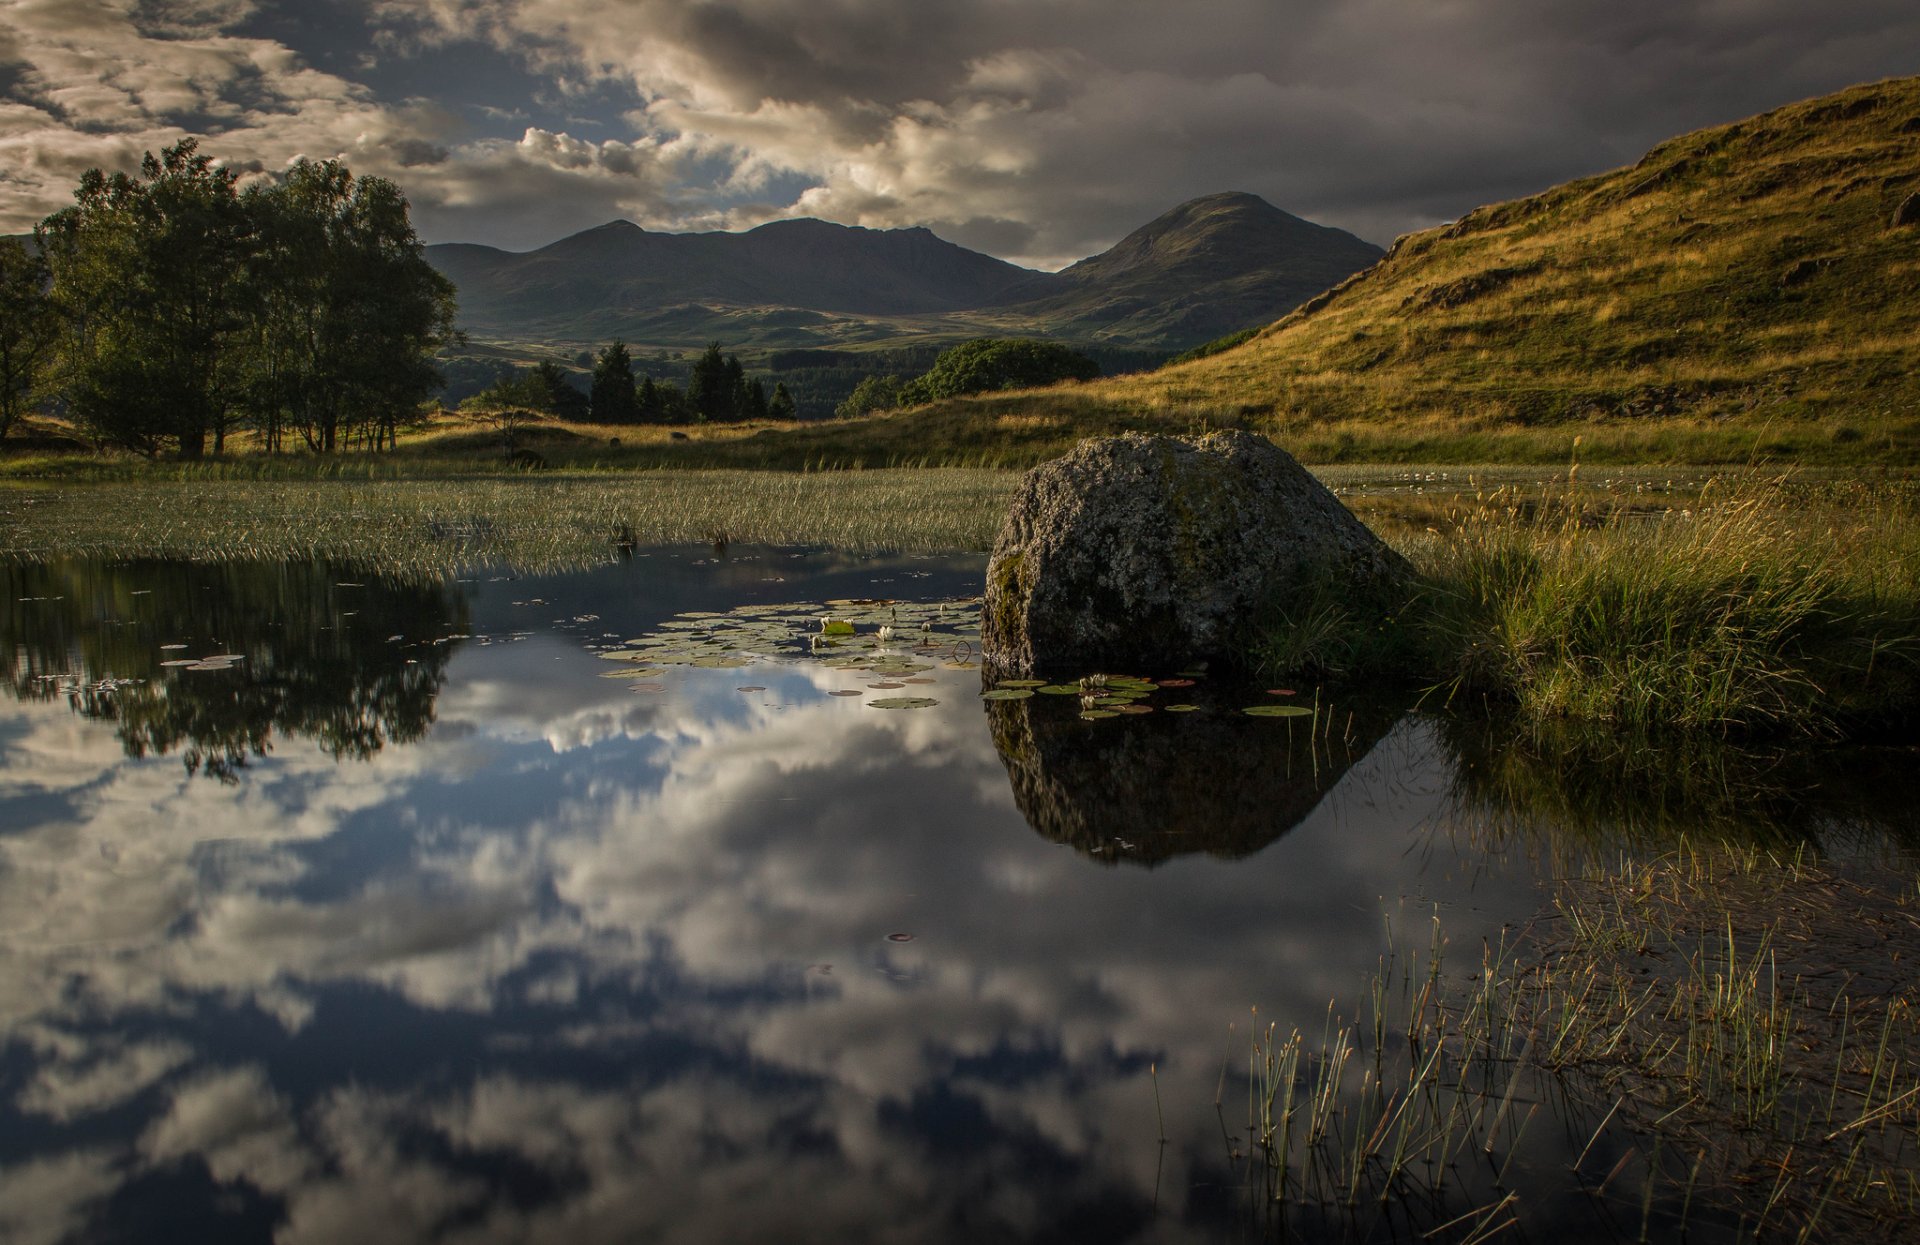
point(1208, 267)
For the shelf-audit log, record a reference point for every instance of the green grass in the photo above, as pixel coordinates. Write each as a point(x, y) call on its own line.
point(1750, 609)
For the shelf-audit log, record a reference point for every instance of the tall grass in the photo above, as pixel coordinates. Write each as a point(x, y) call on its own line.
point(1745, 614)
point(1759, 607)
point(530, 522)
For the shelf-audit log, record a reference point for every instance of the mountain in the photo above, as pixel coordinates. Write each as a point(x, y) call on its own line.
point(1762, 271)
point(1217, 264)
point(591, 285)
point(1208, 267)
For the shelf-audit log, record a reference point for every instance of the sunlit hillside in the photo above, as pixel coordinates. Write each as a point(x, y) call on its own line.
point(1762, 272)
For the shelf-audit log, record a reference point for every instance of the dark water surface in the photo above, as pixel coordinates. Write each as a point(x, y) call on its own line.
point(404, 923)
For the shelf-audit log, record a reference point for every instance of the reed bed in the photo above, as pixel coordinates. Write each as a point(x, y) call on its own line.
point(1716, 1042)
point(1740, 607)
point(548, 522)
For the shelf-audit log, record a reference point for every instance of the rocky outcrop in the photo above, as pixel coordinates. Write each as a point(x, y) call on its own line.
point(1140, 552)
point(1908, 213)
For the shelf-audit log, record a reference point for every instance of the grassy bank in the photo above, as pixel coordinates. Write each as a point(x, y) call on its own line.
point(1754, 608)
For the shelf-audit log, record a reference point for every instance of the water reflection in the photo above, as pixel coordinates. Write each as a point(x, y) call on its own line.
point(312, 653)
point(1148, 789)
point(580, 962)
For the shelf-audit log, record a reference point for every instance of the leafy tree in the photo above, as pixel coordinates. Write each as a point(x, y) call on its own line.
point(146, 272)
point(782, 405)
point(346, 311)
point(871, 396)
point(987, 364)
point(613, 400)
point(28, 329)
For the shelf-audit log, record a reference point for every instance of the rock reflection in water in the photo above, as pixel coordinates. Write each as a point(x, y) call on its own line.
point(1149, 788)
point(351, 662)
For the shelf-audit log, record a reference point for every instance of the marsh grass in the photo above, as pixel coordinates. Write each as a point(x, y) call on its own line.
point(1755, 1011)
point(1715, 1040)
point(546, 522)
point(1750, 612)
point(1745, 607)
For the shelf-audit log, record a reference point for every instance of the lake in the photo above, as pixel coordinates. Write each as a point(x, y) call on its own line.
point(637, 903)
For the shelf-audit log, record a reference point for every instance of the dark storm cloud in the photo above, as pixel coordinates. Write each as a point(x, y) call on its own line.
point(1038, 129)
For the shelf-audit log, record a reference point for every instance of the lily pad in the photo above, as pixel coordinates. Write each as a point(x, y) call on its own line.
point(638, 672)
point(846, 691)
point(903, 702)
point(1058, 689)
point(751, 687)
point(1133, 708)
point(1018, 683)
point(1008, 693)
point(885, 687)
point(1176, 683)
point(1183, 708)
point(836, 626)
point(1281, 691)
point(1278, 711)
point(1094, 715)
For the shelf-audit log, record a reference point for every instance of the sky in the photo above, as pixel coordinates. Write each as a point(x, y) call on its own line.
point(1040, 131)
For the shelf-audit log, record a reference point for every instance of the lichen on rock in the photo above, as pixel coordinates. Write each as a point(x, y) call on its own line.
point(1138, 551)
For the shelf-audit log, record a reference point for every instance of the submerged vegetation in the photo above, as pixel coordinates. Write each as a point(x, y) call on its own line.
point(1726, 1041)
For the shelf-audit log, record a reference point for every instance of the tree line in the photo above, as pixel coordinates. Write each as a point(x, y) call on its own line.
point(718, 390)
point(171, 308)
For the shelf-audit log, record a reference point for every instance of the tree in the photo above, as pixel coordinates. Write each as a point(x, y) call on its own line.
point(753, 399)
point(28, 329)
point(554, 393)
point(146, 273)
point(346, 311)
point(782, 405)
point(711, 386)
point(613, 400)
point(871, 396)
point(987, 364)
point(651, 403)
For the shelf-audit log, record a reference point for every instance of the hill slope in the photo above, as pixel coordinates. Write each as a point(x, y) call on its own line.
point(1753, 271)
point(1211, 266)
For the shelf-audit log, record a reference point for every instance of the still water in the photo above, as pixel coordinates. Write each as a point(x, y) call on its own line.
point(395, 911)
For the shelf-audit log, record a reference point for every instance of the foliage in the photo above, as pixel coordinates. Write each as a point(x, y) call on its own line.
point(782, 406)
point(148, 277)
point(612, 399)
point(28, 330)
point(345, 310)
point(990, 364)
point(184, 306)
point(551, 391)
point(874, 395)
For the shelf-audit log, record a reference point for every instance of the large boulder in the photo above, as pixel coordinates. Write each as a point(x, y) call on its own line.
point(1141, 552)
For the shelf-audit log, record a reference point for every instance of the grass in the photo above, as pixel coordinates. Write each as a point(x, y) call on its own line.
point(1746, 274)
point(1762, 607)
point(1755, 1011)
point(1722, 1041)
point(541, 522)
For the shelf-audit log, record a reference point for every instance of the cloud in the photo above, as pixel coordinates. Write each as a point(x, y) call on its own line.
point(1047, 129)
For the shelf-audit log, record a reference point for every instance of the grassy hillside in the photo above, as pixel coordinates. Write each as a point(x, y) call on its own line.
point(1752, 274)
